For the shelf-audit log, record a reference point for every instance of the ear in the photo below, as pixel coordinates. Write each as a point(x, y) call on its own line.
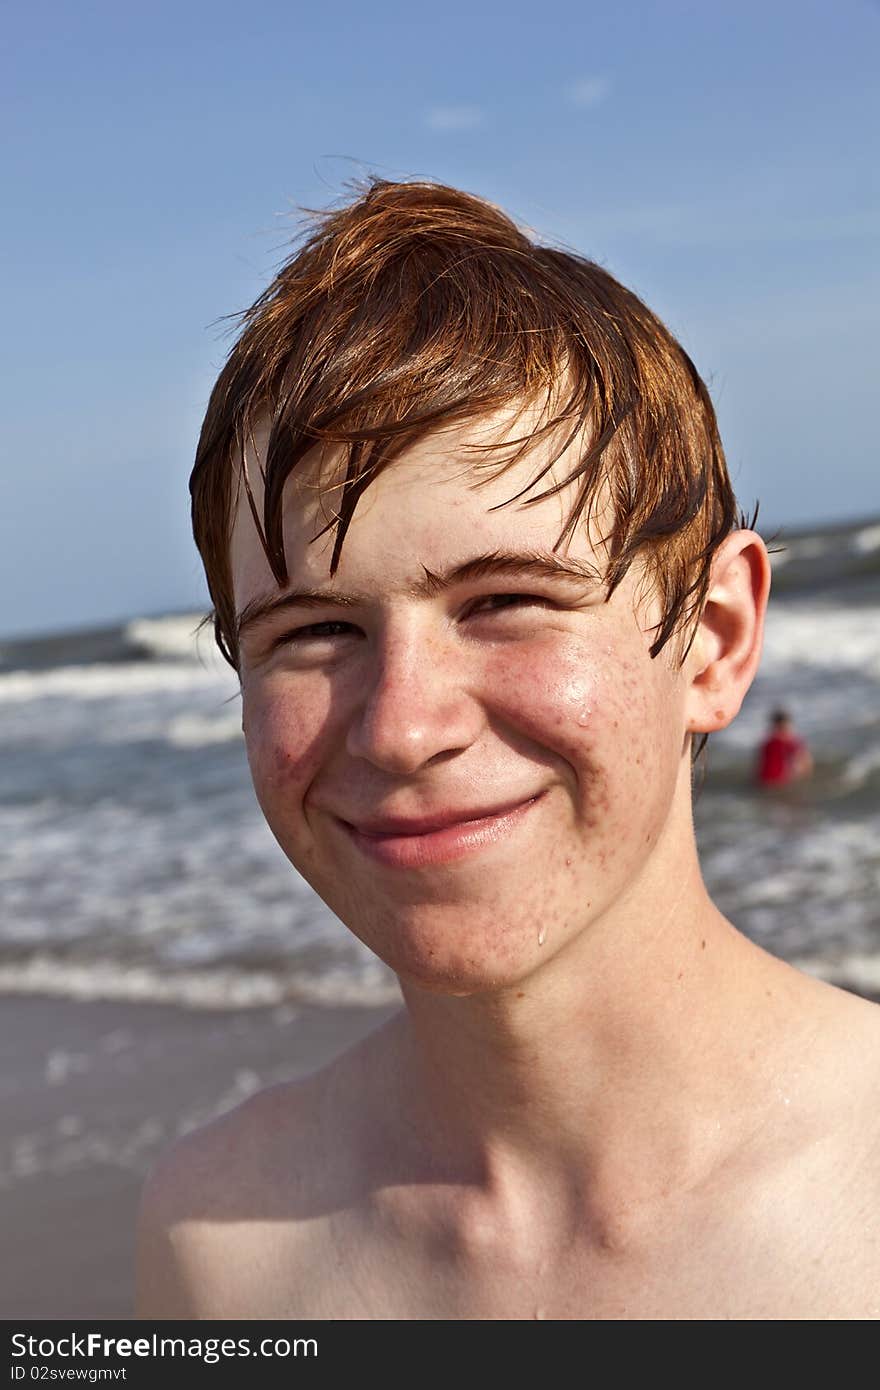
point(722, 662)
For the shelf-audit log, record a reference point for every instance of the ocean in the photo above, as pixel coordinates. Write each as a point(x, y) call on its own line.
point(135, 864)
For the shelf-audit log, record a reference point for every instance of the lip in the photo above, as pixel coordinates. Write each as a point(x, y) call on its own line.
point(438, 839)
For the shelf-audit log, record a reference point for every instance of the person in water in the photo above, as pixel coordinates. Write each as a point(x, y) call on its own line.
point(784, 756)
point(474, 553)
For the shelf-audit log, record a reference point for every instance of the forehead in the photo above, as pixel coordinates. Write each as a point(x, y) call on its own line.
point(441, 502)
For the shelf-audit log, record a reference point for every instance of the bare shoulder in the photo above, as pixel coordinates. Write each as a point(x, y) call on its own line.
point(243, 1217)
point(840, 1199)
point(859, 1078)
point(843, 1061)
point(854, 1044)
point(854, 1239)
point(211, 1189)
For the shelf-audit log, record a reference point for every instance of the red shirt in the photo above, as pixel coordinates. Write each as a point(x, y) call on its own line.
point(778, 757)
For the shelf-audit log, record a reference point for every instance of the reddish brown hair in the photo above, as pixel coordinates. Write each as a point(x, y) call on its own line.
point(417, 306)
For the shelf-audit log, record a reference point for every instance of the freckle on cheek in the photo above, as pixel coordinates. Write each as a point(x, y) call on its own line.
point(288, 764)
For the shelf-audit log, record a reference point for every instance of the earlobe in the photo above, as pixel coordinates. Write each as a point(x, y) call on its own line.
point(727, 647)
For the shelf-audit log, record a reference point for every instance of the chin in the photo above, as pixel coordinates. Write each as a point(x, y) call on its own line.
point(471, 986)
point(442, 963)
point(457, 984)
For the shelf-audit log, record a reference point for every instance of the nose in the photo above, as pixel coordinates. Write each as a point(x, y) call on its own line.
point(415, 706)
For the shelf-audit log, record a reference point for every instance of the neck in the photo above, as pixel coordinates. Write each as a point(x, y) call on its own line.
point(633, 1059)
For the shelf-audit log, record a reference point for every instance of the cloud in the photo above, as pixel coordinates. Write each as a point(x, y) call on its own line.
point(588, 92)
point(454, 118)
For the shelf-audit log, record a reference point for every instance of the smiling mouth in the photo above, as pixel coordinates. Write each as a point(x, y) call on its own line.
point(426, 842)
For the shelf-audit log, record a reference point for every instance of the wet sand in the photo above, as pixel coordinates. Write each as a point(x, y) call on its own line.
point(90, 1093)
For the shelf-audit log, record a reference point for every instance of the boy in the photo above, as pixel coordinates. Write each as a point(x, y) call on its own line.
point(472, 547)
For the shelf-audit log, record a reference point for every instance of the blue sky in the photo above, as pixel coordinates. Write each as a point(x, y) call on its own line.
point(719, 159)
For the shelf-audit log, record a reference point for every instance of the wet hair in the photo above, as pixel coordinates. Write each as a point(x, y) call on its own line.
point(416, 307)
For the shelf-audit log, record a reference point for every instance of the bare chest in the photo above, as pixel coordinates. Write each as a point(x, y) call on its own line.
point(783, 1268)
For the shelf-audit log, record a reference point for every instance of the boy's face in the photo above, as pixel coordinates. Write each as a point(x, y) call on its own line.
point(522, 694)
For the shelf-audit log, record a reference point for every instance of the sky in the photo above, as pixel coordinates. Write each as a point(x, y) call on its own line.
point(720, 159)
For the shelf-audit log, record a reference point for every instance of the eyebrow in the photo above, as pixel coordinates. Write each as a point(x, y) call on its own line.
point(501, 564)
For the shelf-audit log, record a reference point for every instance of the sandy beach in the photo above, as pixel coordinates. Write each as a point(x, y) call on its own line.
point(91, 1093)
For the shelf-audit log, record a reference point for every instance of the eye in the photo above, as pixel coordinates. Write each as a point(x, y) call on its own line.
point(328, 629)
point(316, 631)
point(496, 602)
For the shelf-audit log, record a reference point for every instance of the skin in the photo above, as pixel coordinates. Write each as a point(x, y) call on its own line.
point(600, 1101)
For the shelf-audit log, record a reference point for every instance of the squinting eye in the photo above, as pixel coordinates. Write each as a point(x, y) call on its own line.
point(493, 602)
point(317, 630)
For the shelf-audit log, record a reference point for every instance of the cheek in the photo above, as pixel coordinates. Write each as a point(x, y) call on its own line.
point(599, 712)
point(284, 734)
point(584, 702)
